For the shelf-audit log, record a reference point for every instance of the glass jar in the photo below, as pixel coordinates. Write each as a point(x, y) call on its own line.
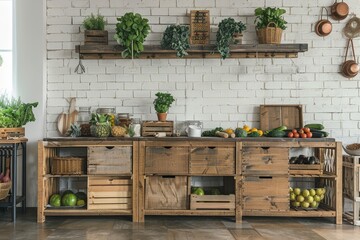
point(84, 115)
point(136, 125)
point(109, 111)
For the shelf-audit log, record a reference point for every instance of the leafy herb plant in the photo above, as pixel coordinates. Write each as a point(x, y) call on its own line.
point(131, 31)
point(176, 37)
point(94, 22)
point(224, 37)
point(163, 102)
point(264, 16)
point(14, 113)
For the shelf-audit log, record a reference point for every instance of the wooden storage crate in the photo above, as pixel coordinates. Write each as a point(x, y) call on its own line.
point(110, 160)
point(98, 37)
point(68, 165)
point(265, 160)
point(109, 193)
point(216, 159)
point(150, 128)
point(306, 169)
point(12, 133)
point(212, 202)
point(166, 192)
point(351, 187)
point(269, 193)
point(272, 116)
point(4, 189)
point(167, 159)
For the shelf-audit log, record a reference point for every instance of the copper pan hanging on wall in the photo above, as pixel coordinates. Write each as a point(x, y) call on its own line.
point(350, 68)
point(323, 27)
point(339, 10)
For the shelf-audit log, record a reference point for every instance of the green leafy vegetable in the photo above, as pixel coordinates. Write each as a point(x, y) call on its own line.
point(14, 113)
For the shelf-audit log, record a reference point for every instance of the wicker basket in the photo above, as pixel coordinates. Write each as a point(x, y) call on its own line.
point(4, 189)
point(68, 165)
point(270, 35)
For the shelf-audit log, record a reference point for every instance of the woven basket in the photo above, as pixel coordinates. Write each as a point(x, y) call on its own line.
point(67, 165)
point(270, 35)
point(4, 189)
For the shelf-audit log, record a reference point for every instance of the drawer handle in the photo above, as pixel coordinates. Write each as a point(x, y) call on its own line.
point(168, 147)
point(109, 147)
point(265, 148)
point(265, 177)
point(212, 147)
point(168, 176)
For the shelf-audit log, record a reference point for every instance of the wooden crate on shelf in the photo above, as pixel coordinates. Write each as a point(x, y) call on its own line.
point(98, 37)
point(110, 193)
point(306, 169)
point(151, 128)
point(351, 187)
point(212, 202)
point(272, 116)
point(109, 160)
point(68, 165)
point(12, 133)
point(166, 192)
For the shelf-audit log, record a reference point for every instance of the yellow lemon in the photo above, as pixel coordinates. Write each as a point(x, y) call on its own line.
point(253, 130)
point(260, 132)
point(229, 131)
point(246, 128)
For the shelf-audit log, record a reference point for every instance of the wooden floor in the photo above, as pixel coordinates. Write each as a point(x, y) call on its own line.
point(161, 227)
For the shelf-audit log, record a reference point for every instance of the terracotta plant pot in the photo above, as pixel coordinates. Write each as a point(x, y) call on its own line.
point(162, 117)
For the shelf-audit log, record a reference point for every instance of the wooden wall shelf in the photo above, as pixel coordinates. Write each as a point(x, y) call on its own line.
point(156, 52)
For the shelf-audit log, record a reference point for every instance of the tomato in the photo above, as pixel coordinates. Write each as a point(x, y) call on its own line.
point(296, 135)
point(306, 130)
point(303, 135)
point(290, 134)
point(309, 134)
point(301, 131)
point(294, 131)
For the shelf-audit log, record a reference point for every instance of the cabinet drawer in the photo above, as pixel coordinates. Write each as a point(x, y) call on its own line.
point(166, 192)
point(110, 193)
point(110, 160)
point(265, 160)
point(167, 160)
point(266, 193)
point(212, 160)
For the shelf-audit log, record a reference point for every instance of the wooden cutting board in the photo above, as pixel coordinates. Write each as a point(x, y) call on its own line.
point(65, 119)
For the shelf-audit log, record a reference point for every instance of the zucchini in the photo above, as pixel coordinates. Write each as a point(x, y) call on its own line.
point(316, 126)
point(317, 135)
point(325, 134)
point(276, 133)
point(281, 128)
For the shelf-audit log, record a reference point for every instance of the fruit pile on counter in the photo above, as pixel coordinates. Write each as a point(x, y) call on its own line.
point(314, 130)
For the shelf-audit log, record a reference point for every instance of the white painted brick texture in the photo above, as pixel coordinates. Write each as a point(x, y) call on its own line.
point(223, 93)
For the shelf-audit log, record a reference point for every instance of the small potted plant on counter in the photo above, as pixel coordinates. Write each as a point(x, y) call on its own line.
point(162, 104)
point(270, 24)
point(176, 37)
point(95, 32)
point(229, 32)
point(131, 31)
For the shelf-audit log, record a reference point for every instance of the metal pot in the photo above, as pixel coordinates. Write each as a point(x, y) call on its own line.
point(350, 68)
point(323, 27)
point(339, 10)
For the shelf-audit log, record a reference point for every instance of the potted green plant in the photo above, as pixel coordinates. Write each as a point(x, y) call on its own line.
point(14, 114)
point(270, 24)
point(162, 104)
point(228, 29)
point(176, 37)
point(131, 31)
point(95, 32)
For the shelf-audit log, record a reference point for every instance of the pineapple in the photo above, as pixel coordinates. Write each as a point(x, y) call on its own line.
point(100, 126)
point(74, 130)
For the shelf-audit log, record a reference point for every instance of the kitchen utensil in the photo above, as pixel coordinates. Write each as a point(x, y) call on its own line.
point(323, 27)
point(193, 131)
point(352, 28)
point(65, 119)
point(339, 10)
point(351, 152)
point(350, 68)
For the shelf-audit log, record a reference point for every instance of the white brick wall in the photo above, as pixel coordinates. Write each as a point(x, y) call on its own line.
point(218, 92)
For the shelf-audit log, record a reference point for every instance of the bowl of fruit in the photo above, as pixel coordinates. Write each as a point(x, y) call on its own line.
point(352, 149)
point(306, 198)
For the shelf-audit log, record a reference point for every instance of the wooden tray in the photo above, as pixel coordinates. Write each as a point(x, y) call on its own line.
point(273, 116)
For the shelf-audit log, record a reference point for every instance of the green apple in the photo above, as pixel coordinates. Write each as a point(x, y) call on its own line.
point(297, 191)
point(312, 192)
point(310, 199)
point(296, 204)
point(323, 190)
point(318, 191)
point(292, 196)
point(199, 191)
point(300, 198)
point(317, 198)
point(305, 204)
point(314, 204)
point(305, 193)
point(322, 197)
point(291, 190)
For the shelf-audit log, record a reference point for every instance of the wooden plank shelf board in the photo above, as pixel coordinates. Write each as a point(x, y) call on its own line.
point(85, 212)
point(292, 213)
point(208, 51)
point(206, 212)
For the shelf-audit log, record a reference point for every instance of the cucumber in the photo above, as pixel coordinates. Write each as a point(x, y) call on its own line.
point(317, 135)
point(276, 133)
point(325, 134)
point(281, 128)
point(317, 126)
